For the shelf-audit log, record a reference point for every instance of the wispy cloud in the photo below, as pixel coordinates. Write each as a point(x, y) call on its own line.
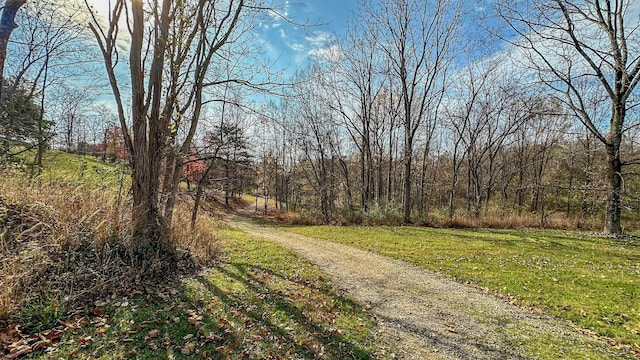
point(278, 15)
point(331, 53)
point(320, 38)
point(297, 47)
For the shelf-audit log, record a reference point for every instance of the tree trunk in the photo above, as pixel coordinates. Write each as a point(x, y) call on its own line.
point(614, 176)
point(408, 155)
point(423, 181)
point(452, 194)
point(173, 182)
point(226, 184)
point(196, 206)
point(390, 176)
point(149, 228)
point(7, 25)
point(200, 189)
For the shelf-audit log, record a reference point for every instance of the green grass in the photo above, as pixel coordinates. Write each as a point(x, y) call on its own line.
point(593, 282)
point(84, 169)
point(260, 301)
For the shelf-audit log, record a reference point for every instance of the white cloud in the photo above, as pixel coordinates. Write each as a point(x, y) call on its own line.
point(297, 47)
point(331, 53)
point(320, 38)
point(278, 14)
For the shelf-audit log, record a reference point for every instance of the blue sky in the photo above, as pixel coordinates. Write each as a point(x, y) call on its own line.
point(292, 45)
point(287, 45)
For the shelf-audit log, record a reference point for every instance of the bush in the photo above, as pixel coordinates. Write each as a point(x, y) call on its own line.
point(377, 214)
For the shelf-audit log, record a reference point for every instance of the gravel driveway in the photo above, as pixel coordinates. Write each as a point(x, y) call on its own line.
point(424, 315)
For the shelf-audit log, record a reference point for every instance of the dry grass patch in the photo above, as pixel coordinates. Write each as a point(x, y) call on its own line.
point(64, 241)
point(57, 240)
point(516, 221)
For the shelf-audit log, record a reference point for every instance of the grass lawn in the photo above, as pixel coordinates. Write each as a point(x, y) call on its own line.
point(260, 302)
point(85, 169)
point(593, 282)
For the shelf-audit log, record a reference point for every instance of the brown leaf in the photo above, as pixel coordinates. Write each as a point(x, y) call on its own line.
point(136, 292)
point(9, 335)
point(54, 334)
point(153, 333)
point(17, 353)
point(85, 341)
point(195, 320)
point(213, 337)
point(153, 346)
point(188, 348)
point(97, 311)
point(40, 345)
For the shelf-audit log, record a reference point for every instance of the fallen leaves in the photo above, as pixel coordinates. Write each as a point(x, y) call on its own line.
point(14, 343)
point(54, 334)
point(153, 334)
point(194, 319)
point(271, 321)
point(189, 348)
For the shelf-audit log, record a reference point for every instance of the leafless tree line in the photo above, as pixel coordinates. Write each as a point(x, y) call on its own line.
point(392, 118)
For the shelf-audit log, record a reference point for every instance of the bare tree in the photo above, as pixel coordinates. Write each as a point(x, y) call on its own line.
point(70, 112)
point(210, 26)
point(317, 131)
point(358, 84)
point(173, 72)
point(48, 50)
point(417, 38)
point(587, 53)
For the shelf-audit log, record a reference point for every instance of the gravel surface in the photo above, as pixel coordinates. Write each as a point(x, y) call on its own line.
point(424, 315)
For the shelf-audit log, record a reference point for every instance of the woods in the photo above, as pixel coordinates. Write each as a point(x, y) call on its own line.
point(166, 167)
point(403, 114)
point(535, 132)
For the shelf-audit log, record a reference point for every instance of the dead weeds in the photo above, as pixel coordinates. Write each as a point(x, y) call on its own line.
point(65, 243)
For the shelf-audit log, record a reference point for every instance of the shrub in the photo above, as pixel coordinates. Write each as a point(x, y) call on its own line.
point(377, 214)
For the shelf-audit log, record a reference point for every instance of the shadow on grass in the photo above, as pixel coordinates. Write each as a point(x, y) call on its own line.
point(302, 317)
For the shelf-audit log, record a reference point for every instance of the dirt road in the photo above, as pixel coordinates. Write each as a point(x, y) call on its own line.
point(423, 315)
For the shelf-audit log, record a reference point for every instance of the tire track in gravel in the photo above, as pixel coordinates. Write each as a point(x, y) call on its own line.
point(424, 315)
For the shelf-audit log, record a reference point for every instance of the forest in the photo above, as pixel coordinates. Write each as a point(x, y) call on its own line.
point(134, 135)
point(394, 120)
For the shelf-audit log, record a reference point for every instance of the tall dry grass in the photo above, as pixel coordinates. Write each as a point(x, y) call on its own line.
point(556, 221)
point(46, 223)
point(65, 240)
point(494, 219)
point(202, 241)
